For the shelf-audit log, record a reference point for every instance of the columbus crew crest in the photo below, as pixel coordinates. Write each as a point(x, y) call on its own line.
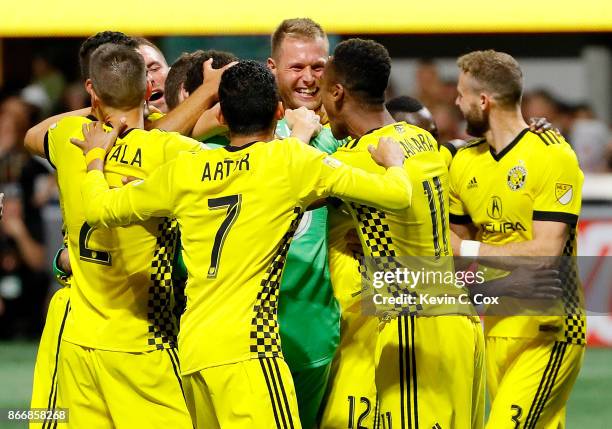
point(564, 193)
point(516, 177)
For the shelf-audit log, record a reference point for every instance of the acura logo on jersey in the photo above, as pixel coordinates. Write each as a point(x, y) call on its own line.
point(494, 210)
point(503, 227)
point(516, 177)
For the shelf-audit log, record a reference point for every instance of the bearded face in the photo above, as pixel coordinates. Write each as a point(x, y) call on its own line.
point(468, 101)
point(477, 121)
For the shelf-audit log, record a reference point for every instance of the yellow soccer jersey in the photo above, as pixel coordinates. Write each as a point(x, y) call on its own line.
point(344, 266)
point(535, 178)
point(410, 232)
point(447, 151)
point(155, 116)
point(423, 229)
point(121, 277)
point(237, 209)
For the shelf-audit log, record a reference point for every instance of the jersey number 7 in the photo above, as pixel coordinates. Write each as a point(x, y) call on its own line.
point(232, 204)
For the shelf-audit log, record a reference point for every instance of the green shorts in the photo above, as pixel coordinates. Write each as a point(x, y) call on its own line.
point(310, 385)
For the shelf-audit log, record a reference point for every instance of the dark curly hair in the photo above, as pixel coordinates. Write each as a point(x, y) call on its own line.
point(194, 77)
point(249, 97)
point(176, 78)
point(363, 67)
point(403, 103)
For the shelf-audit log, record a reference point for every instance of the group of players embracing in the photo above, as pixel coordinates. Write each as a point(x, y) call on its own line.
point(218, 217)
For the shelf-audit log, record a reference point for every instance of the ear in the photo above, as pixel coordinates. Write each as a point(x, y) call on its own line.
point(89, 86)
point(485, 101)
point(221, 118)
point(96, 108)
point(95, 100)
point(183, 95)
point(280, 111)
point(149, 90)
point(271, 66)
point(337, 93)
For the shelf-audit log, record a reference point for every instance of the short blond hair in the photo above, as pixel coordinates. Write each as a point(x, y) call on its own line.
point(301, 28)
point(497, 72)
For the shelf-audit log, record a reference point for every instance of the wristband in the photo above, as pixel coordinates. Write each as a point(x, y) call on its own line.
point(469, 248)
point(95, 153)
point(57, 271)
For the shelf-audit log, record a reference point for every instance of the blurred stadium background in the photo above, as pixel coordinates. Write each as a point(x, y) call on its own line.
point(565, 52)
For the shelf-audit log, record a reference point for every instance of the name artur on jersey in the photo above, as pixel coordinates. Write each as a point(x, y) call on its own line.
point(222, 169)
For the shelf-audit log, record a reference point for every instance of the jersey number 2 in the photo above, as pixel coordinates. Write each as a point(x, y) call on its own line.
point(90, 255)
point(232, 204)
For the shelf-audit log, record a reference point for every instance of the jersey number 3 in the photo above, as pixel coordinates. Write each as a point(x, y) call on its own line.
point(232, 204)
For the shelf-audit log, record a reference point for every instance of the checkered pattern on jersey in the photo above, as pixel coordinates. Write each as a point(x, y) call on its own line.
point(162, 323)
point(374, 230)
point(575, 325)
point(265, 338)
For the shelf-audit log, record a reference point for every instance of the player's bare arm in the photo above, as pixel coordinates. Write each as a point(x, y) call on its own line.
point(527, 282)
point(34, 140)
point(208, 125)
point(548, 240)
point(459, 232)
point(524, 281)
point(183, 118)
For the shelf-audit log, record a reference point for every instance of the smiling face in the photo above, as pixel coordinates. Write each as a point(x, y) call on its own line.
point(298, 67)
point(157, 70)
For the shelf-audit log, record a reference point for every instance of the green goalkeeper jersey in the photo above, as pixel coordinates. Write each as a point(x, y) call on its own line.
point(309, 315)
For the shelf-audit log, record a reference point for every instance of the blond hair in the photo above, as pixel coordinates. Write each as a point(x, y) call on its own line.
point(301, 28)
point(497, 73)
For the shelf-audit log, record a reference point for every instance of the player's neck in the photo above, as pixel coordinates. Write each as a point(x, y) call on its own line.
point(242, 140)
point(322, 114)
point(504, 127)
point(361, 121)
point(133, 118)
